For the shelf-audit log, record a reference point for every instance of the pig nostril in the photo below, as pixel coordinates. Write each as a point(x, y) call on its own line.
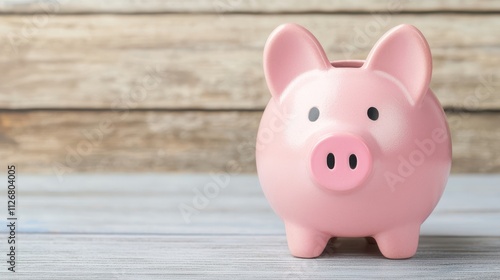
point(353, 161)
point(330, 160)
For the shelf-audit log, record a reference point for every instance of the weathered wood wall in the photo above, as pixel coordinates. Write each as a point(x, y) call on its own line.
point(104, 86)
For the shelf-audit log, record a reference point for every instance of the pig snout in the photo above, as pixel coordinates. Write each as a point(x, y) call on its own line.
point(340, 162)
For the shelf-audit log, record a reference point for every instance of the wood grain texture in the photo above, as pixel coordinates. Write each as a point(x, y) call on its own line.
point(125, 226)
point(135, 141)
point(245, 257)
point(240, 6)
point(148, 141)
point(213, 62)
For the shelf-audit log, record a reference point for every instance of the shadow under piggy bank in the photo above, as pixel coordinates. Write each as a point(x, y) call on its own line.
point(430, 247)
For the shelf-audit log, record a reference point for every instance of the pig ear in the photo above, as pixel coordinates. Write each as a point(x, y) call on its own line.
point(404, 54)
point(290, 51)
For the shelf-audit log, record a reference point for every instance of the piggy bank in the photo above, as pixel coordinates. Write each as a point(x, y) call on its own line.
point(352, 148)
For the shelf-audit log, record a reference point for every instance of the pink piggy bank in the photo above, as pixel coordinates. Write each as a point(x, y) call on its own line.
point(352, 148)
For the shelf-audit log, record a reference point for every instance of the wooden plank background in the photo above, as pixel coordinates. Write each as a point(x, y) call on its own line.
point(180, 83)
point(242, 6)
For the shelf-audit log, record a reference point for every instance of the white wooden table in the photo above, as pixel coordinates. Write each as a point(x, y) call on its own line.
point(130, 227)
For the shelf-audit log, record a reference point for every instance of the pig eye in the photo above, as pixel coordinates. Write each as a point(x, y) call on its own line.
point(313, 114)
point(372, 113)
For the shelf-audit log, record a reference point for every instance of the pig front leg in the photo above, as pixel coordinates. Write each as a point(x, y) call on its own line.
point(400, 242)
point(304, 242)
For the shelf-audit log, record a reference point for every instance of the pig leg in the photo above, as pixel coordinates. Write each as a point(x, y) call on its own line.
point(400, 242)
point(304, 242)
